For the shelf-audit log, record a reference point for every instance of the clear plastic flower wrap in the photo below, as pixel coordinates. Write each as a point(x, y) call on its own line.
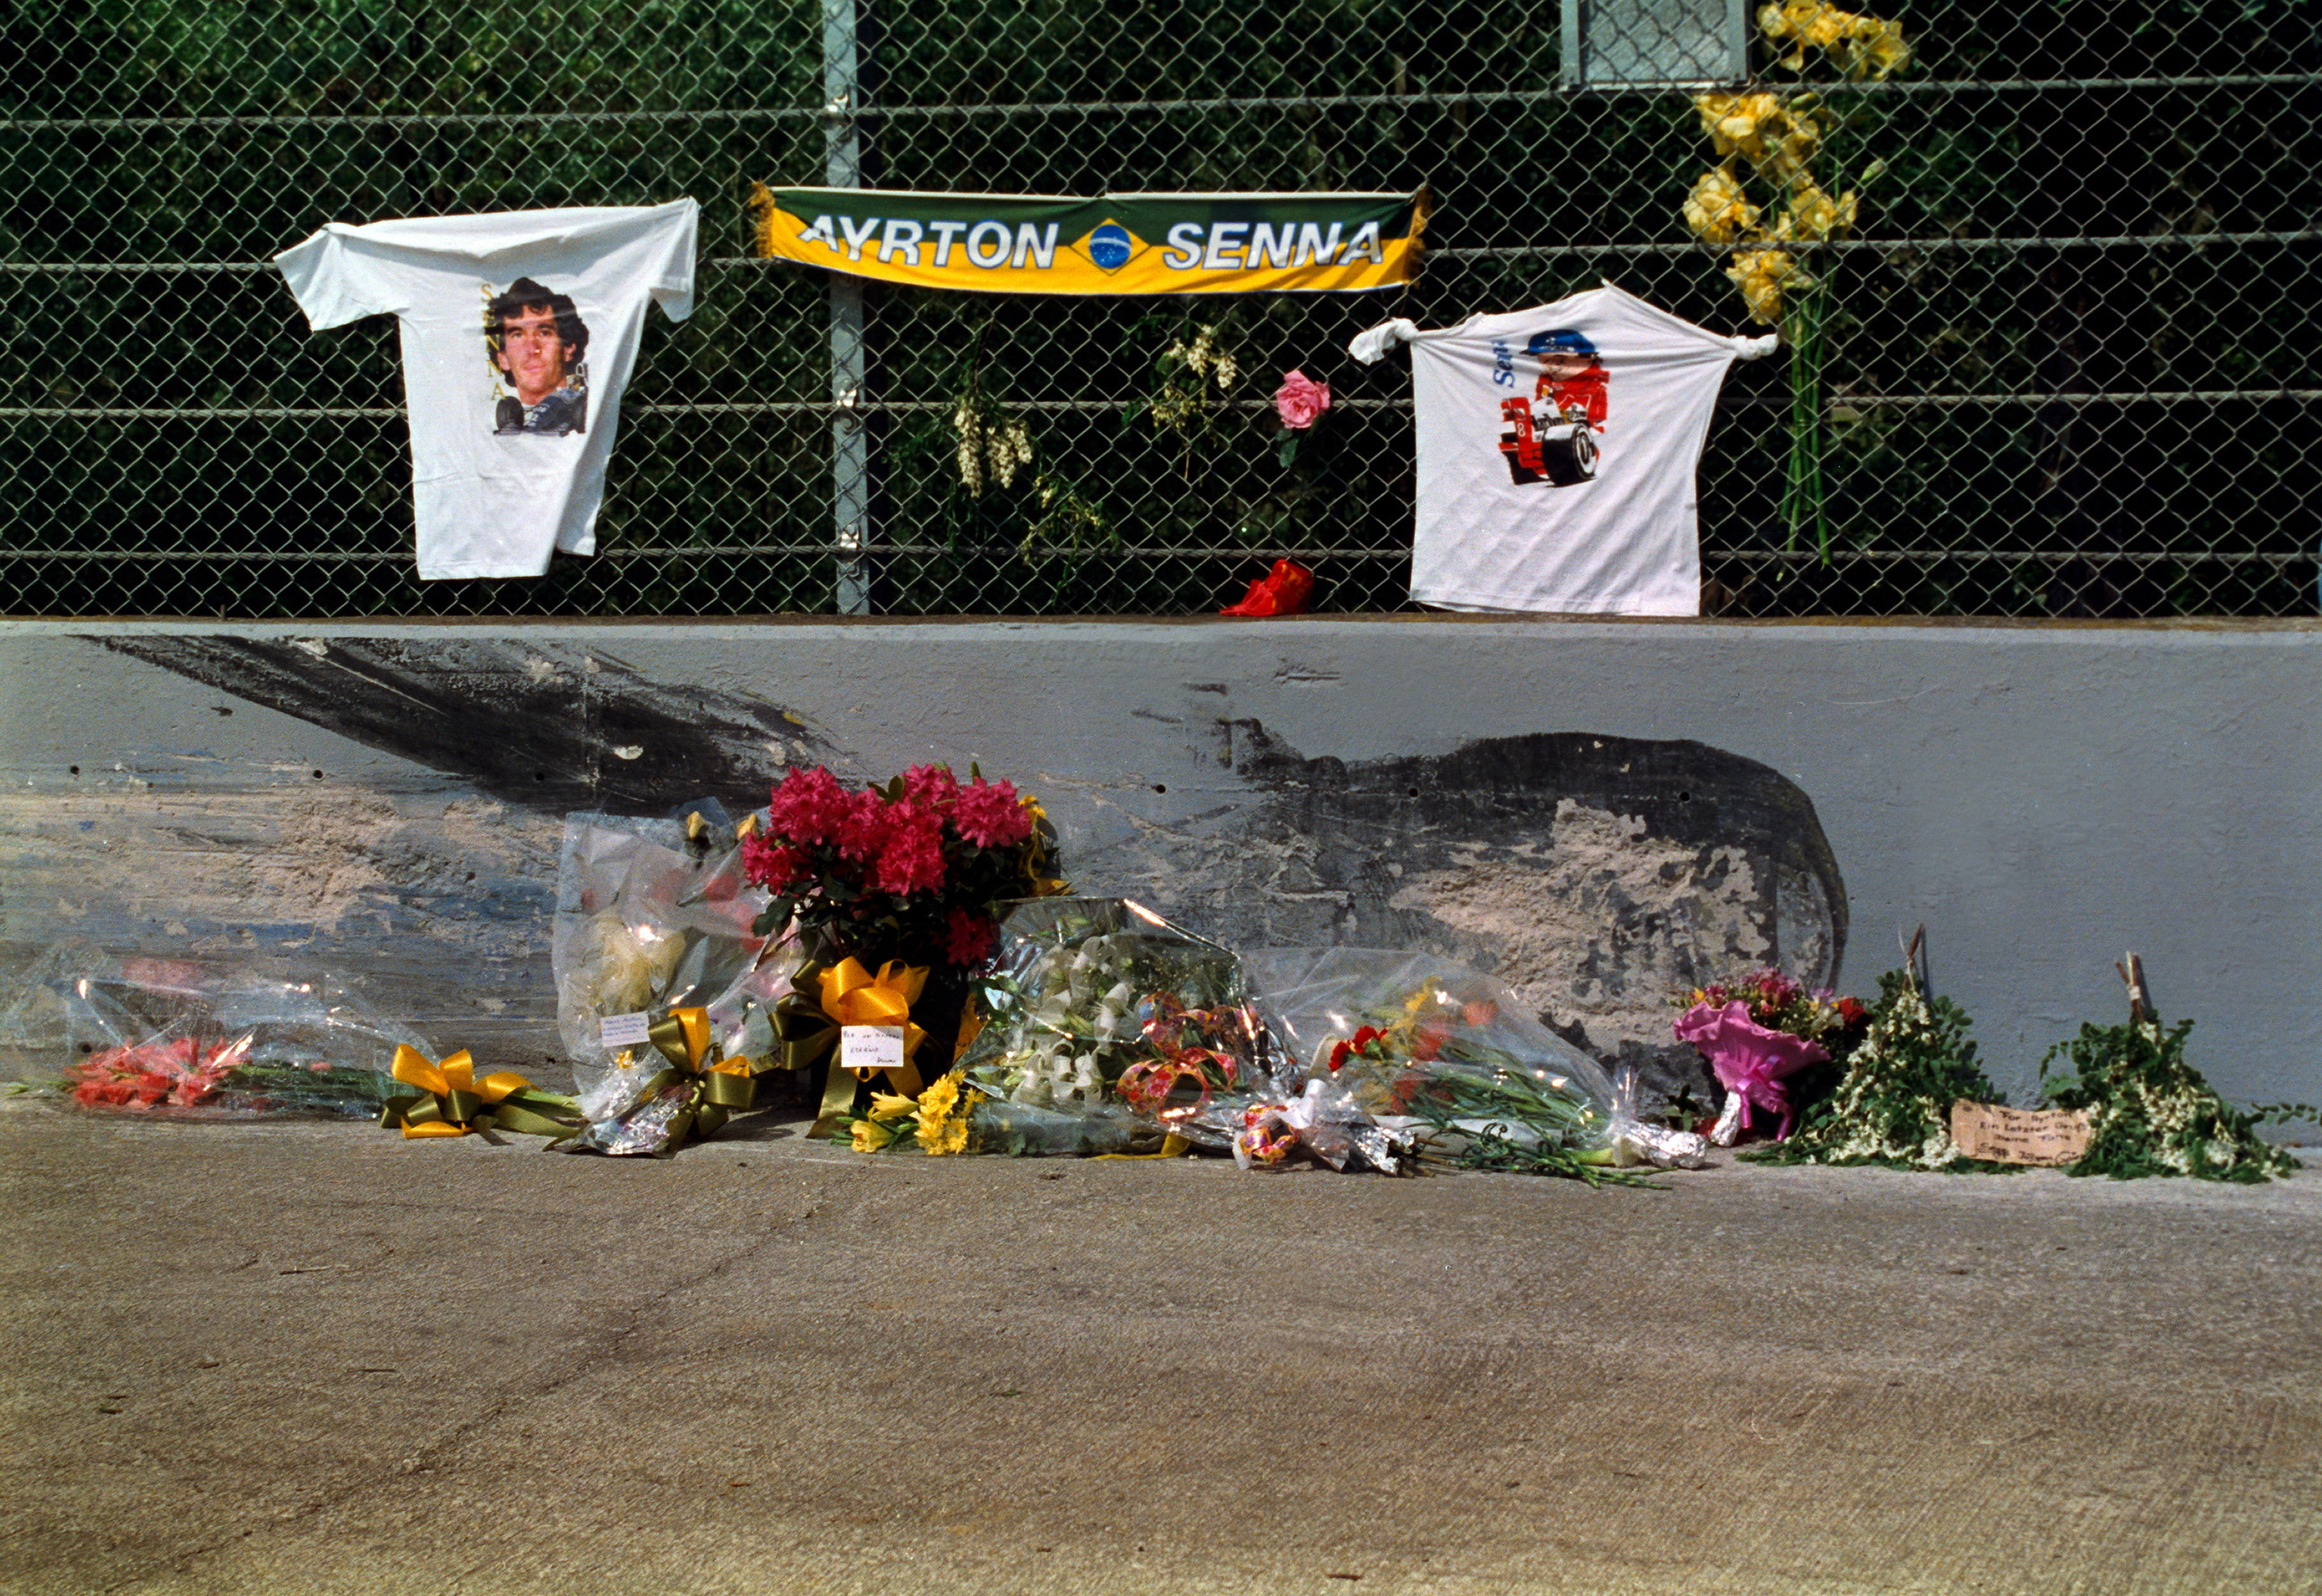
point(1447, 1056)
point(654, 914)
point(1101, 1012)
point(191, 1039)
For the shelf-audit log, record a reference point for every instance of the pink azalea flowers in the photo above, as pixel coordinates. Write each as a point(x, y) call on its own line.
point(906, 870)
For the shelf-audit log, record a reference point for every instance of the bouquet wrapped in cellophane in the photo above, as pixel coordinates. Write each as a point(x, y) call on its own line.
point(1444, 1056)
point(184, 1038)
point(1101, 1011)
point(1102, 1029)
point(654, 914)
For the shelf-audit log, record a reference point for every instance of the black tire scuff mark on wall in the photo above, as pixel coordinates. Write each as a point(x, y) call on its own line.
point(533, 726)
point(1335, 847)
point(1507, 790)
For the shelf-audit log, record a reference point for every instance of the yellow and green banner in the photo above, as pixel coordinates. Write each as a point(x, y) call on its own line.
point(1123, 244)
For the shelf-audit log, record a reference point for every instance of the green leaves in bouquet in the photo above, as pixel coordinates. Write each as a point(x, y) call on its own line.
point(776, 915)
point(1505, 1100)
point(1892, 1107)
point(2151, 1112)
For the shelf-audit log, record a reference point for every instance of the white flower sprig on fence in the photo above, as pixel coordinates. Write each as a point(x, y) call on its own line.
point(1188, 372)
point(992, 444)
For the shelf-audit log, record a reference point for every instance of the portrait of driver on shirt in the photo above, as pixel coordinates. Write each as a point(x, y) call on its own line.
point(537, 340)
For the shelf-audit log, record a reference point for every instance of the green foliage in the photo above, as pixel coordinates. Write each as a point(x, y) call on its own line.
point(1892, 1107)
point(2152, 1113)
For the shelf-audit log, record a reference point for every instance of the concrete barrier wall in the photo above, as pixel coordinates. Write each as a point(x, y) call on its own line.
point(1598, 810)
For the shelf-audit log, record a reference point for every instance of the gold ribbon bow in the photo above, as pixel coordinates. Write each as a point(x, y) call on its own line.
point(452, 1102)
point(721, 1086)
point(852, 995)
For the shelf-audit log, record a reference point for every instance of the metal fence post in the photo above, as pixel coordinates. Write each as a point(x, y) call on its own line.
point(850, 438)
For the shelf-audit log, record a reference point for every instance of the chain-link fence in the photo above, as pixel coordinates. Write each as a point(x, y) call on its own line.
point(2068, 339)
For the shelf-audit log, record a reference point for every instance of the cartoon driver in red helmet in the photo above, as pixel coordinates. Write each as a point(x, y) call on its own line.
point(1553, 435)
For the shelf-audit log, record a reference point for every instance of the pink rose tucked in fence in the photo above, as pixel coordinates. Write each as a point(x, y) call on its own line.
point(1300, 401)
point(1750, 1064)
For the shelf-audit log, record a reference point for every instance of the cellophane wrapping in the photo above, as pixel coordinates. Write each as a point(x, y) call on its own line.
point(1102, 1021)
point(647, 920)
point(193, 1039)
point(1441, 1053)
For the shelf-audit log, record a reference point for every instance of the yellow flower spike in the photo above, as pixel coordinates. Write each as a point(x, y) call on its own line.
point(1717, 210)
point(870, 1135)
point(1815, 215)
point(1881, 50)
point(1763, 276)
point(887, 1105)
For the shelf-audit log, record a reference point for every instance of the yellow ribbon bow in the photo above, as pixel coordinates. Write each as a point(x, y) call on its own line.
point(452, 1102)
point(852, 995)
point(721, 1086)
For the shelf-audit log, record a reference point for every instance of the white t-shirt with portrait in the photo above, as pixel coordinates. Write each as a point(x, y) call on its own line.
point(1557, 451)
point(519, 330)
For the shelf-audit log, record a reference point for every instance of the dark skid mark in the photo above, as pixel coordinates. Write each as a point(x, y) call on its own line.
point(473, 710)
point(1421, 811)
point(1345, 839)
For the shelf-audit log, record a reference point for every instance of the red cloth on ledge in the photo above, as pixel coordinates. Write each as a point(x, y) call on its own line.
point(1286, 590)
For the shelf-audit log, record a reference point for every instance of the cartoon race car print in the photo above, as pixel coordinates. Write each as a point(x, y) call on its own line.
point(1553, 435)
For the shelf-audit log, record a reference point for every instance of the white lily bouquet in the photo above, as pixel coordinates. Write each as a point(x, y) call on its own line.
point(1101, 1010)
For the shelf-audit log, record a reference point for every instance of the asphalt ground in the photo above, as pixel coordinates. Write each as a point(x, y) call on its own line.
point(322, 1358)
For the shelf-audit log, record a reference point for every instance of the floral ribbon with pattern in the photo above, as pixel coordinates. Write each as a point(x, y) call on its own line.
point(1183, 1039)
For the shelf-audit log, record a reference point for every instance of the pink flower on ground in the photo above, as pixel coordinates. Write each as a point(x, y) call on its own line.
point(1300, 401)
point(1749, 1060)
point(990, 814)
point(970, 938)
point(807, 808)
point(912, 859)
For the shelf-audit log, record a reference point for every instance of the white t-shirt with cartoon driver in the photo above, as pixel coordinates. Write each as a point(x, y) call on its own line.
point(1557, 451)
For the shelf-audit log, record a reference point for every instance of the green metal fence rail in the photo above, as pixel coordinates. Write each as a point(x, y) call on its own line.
point(2070, 345)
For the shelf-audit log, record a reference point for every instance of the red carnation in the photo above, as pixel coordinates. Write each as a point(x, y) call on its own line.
point(990, 814)
point(807, 808)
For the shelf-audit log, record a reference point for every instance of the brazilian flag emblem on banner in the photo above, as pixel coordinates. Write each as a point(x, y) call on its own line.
point(1123, 243)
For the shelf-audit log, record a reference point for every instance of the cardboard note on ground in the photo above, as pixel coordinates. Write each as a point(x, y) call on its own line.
point(2018, 1136)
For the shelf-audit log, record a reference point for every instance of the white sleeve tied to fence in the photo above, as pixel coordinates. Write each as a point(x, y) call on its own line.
point(1371, 344)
